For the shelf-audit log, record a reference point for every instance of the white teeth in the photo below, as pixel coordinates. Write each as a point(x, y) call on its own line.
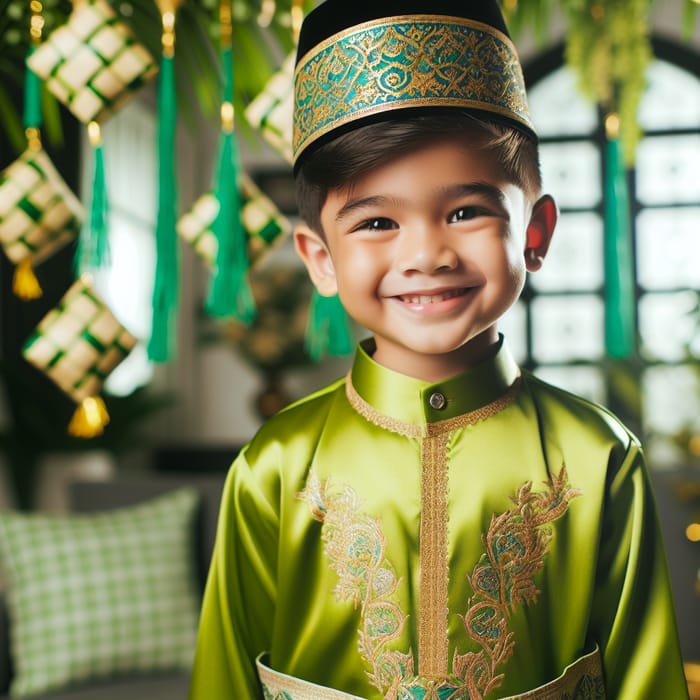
point(431, 299)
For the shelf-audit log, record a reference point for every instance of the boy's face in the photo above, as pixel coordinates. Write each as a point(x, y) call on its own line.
point(427, 252)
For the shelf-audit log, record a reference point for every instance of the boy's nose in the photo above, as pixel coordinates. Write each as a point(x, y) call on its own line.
point(426, 251)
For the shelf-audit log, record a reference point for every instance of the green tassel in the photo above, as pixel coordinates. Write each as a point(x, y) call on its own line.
point(32, 116)
point(166, 283)
point(328, 329)
point(93, 242)
point(229, 293)
point(620, 296)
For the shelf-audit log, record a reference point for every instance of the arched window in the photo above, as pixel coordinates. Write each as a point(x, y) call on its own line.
point(557, 329)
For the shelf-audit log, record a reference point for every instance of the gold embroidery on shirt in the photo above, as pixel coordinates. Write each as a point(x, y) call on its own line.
point(515, 544)
point(355, 545)
point(419, 430)
point(433, 609)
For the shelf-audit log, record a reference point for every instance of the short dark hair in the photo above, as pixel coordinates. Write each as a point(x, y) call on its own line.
point(349, 156)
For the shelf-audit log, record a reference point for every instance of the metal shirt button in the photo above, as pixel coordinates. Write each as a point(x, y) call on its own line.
point(437, 401)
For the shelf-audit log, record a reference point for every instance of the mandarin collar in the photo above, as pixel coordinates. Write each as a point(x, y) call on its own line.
point(415, 401)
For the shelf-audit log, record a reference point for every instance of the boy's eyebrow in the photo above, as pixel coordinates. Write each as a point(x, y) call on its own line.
point(484, 189)
point(359, 203)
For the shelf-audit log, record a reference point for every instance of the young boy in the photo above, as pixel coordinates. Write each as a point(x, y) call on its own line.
point(439, 525)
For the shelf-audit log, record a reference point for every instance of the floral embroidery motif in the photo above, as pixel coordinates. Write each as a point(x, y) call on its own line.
point(589, 687)
point(515, 547)
point(355, 544)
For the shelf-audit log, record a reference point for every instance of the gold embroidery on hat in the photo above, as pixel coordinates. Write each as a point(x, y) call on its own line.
point(398, 62)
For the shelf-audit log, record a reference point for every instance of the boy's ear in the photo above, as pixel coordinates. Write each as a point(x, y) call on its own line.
point(539, 232)
point(314, 253)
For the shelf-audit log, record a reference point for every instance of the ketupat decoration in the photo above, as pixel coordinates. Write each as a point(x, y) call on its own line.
point(93, 64)
point(271, 111)
point(264, 224)
point(77, 345)
point(38, 215)
point(38, 211)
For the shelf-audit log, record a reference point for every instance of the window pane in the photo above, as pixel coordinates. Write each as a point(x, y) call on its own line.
point(667, 169)
point(129, 137)
point(513, 325)
point(557, 107)
point(571, 173)
point(666, 325)
point(668, 248)
point(567, 328)
point(583, 381)
point(575, 258)
point(126, 284)
point(671, 397)
point(672, 98)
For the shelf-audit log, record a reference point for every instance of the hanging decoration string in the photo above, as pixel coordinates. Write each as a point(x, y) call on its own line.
point(620, 293)
point(32, 117)
point(93, 242)
point(25, 285)
point(166, 283)
point(297, 14)
point(229, 293)
point(267, 13)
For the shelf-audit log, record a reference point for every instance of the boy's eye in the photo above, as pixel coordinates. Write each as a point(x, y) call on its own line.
point(378, 224)
point(467, 213)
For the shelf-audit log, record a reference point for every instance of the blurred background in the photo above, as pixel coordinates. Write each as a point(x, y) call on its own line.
point(614, 315)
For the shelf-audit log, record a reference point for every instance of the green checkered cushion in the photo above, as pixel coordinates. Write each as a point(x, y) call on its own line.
point(271, 111)
point(79, 342)
point(38, 211)
point(99, 595)
point(264, 224)
point(93, 63)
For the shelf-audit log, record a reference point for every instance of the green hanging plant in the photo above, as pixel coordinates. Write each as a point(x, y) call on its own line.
point(607, 46)
point(609, 49)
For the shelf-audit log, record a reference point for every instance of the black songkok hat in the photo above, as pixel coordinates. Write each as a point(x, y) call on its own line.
point(360, 61)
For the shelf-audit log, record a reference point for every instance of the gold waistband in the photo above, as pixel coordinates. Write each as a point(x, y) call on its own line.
point(582, 679)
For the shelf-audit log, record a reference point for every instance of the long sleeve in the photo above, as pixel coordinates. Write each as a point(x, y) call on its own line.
point(239, 598)
point(354, 485)
point(633, 614)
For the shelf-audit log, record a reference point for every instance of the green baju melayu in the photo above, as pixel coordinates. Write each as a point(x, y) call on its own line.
point(480, 537)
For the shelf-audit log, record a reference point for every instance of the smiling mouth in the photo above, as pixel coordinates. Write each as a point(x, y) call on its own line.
point(432, 298)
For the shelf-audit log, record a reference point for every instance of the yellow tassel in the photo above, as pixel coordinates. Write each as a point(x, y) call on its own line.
point(24, 283)
point(89, 419)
